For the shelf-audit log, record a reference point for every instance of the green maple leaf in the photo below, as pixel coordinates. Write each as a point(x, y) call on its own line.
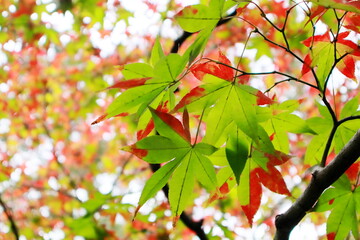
point(322, 127)
point(350, 5)
point(197, 17)
point(226, 98)
point(184, 159)
point(343, 201)
point(145, 84)
point(280, 121)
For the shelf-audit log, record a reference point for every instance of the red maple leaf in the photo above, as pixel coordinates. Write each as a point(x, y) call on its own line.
point(220, 69)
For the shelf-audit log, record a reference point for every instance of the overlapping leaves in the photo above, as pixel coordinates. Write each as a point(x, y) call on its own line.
point(325, 54)
point(197, 17)
point(233, 119)
point(347, 5)
point(227, 96)
point(322, 127)
point(260, 169)
point(173, 145)
point(235, 122)
point(144, 84)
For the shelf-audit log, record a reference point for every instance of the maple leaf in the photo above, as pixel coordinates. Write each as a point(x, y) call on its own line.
point(251, 167)
point(352, 22)
point(322, 56)
point(280, 121)
point(148, 126)
point(227, 96)
point(130, 83)
point(184, 159)
point(318, 11)
point(347, 5)
point(145, 84)
point(197, 17)
point(343, 202)
point(260, 169)
point(221, 70)
point(194, 18)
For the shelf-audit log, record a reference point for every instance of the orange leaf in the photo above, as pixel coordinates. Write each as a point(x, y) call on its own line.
point(224, 189)
point(331, 236)
point(352, 21)
point(99, 119)
point(273, 180)
point(262, 99)
point(145, 132)
point(220, 70)
point(255, 198)
point(347, 67)
point(353, 171)
point(194, 94)
point(130, 83)
point(318, 11)
point(186, 123)
point(306, 66)
point(174, 123)
point(140, 153)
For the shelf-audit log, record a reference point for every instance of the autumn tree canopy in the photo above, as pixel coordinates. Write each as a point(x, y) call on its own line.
point(210, 119)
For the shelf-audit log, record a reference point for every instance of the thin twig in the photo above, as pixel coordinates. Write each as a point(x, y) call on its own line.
point(10, 217)
point(288, 80)
point(332, 135)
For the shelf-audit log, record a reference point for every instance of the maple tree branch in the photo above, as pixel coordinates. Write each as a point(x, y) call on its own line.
point(328, 106)
point(328, 145)
point(9, 216)
point(243, 73)
point(321, 180)
point(332, 135)
point(288, 80)
point(349, 118)
point(278, 45)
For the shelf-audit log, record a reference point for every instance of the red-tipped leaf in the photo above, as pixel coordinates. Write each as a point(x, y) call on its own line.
point(130, 83)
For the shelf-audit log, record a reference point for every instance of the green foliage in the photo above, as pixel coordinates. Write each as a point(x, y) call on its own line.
point(342, 200)
point(351, 6)
point(253, 97)
point(174, 144)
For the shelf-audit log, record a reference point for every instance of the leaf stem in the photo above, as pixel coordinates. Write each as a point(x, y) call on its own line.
point(198, 128)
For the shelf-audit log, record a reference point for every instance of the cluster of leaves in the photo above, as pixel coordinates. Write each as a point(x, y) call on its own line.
point(212, 121)
point(51, 158)
point(246, 130)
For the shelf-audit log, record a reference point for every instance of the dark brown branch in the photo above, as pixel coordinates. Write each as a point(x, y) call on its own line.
point(9, 216)
point(331, 137)
point(321, 180)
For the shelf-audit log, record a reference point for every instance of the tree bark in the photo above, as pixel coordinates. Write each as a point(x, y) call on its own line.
point(321, 179)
